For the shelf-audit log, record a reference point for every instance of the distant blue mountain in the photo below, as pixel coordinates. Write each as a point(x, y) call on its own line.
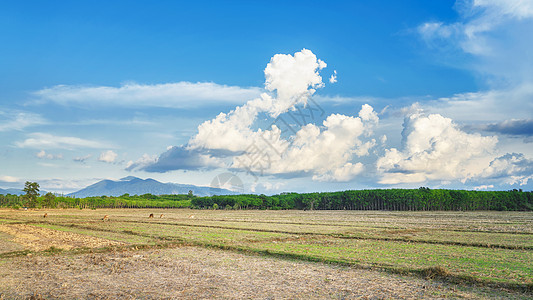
point(17, 192)
point(11, 191)
point(136, 186)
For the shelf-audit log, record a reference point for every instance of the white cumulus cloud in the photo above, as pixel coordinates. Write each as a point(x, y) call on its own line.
point(483, 187)
point(108, 156)
point(143, 161)
point(291, 79)
point(43, 154)
point(513, 168)
point(326, 153)
point(434, 148)
point(333, 77)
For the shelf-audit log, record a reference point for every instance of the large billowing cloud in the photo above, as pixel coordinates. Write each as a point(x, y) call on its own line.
point(491, 38)
point(293, 78)
point(324, 152)
point(512, 168)
point(291, 81)
point(434, 148)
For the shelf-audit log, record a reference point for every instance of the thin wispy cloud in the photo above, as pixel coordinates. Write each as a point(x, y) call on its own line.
point(82, 159)
point(493, 33)
point(174, 95)
point(41, 140)
point(9, 179)
point(17, 120)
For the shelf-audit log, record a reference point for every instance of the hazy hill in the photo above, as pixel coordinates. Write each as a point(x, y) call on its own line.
point(137, 186)
point(11, 191)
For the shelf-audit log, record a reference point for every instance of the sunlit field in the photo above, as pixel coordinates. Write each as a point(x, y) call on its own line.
point(491, 251)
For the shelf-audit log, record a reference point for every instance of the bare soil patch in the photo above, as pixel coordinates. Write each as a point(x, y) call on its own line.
point(199, 273)
point(37, 238)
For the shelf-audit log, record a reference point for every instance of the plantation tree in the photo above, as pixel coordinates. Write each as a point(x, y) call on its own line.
point(32, 191)
point(49, 200)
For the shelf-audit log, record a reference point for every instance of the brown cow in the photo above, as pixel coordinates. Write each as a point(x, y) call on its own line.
point(161, 216)
point(45, 215)
point(151, 216)
point(105, 218)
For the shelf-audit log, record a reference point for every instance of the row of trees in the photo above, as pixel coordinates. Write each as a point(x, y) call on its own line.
point(379, 199)
point(32, 200)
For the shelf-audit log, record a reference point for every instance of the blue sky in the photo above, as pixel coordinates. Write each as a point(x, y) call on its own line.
point(426, 93)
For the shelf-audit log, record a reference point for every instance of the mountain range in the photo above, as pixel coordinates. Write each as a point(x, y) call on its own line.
point(11, 191)
point(137, 186)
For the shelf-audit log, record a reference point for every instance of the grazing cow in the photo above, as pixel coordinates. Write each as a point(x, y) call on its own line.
point(160, 216)
point(151, 216)
point(191, 217)
point(36, 297)
point(105, 218)
point(45, 215)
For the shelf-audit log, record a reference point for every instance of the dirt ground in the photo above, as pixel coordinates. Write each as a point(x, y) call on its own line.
point(199, 273)
point(184, 272)
point(37, 238)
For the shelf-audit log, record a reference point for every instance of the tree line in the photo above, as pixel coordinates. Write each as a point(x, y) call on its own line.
point(378, 199)
point(422, 199)
point(32, 199)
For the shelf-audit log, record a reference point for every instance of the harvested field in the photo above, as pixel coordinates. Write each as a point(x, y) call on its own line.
point(37, 238)
point(192, 272)
point(262, 254)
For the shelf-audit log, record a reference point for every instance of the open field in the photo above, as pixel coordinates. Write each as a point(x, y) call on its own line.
point(243, 253)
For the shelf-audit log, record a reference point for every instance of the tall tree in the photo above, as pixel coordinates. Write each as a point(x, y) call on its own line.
point(32, 191)
point(49, 200)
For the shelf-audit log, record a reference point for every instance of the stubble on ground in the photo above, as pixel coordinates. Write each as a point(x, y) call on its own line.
point(37, 238)
point(199, 273)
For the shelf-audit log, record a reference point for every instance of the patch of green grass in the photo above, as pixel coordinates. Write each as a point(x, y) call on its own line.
point(456, 245)
point(7, 221)
point(114, 236)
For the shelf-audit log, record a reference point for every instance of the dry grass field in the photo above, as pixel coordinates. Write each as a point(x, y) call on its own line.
point(264, 254)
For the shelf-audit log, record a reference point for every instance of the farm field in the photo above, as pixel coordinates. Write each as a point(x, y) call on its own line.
point(252, 253)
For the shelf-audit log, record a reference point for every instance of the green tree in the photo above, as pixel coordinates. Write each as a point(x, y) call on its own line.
point(49, 200)
point(190, 194)
point(32, 191)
